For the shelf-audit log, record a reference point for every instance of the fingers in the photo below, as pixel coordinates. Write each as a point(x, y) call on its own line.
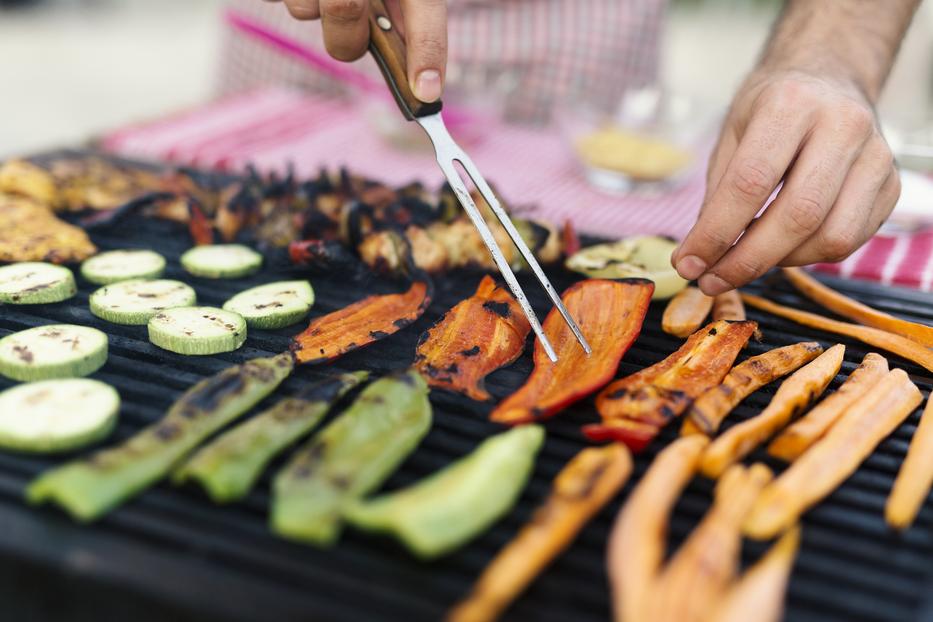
point(766, 149)
point(809, 193)
point(346, 28)
point(866, 200)
point(303, 9)
point(426, 41)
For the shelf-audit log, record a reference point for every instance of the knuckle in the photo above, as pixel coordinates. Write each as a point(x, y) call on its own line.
point(804, 214)
point(741, 270)
point(712, 239)
point(430, 45)
point(753, 180)
point(839, 244)
point(880, 155)
point(346, 11)
point(855, 119)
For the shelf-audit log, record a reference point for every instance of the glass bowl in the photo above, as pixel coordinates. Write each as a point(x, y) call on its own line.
point(653, 141)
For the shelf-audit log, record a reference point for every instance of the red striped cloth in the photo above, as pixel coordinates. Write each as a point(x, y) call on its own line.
point(272, 128)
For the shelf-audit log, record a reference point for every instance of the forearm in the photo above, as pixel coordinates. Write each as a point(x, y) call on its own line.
point(851, 39)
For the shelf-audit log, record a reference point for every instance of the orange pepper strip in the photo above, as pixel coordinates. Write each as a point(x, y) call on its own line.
point(635, 408)
point(580, 490)
point(915, 477)
point(823, 467)
point(902, 346)
point(360, 324)
point(708, 411)
point(686, 312)
point(855, 310)
point(759, 593)
point(478, 336)
point(810, 428)
point(610, 314)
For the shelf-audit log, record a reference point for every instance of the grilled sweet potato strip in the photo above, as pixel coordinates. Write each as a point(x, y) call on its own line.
point(794, 394)
point(902, 346)
point(610, 314)
point(635, 408)
point(856, 311)
point(801, 434)
point(639, 537)
point(915, 477)
point(686, 312)
point(580, 490)
point(759, 593)
point(360, 324)
point(729, 306)
point(708, 410)
point(479, 335)
point(702, 569)
point(835, 457)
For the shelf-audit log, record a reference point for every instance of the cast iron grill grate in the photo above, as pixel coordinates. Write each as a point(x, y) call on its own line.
point(171, 554)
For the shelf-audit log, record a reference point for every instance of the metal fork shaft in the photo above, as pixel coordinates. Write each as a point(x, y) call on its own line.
point(448, 153)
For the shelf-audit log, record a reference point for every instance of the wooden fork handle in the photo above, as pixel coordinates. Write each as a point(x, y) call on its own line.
point(388, 48)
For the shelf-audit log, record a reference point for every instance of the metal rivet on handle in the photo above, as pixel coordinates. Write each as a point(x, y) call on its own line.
point(384, 22)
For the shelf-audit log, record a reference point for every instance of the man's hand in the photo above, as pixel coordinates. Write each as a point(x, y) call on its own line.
point(423, 23)
point(804, 117)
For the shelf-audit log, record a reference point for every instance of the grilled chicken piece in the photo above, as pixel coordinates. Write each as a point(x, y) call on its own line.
point(77, 183)
point(31, 232)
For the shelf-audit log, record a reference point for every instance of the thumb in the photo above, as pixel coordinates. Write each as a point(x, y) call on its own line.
point(426, 40)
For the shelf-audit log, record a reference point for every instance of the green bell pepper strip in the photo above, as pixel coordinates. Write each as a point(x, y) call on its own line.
point(88, 488)
point(349, 458)
point(228, 467)
point(451, 507)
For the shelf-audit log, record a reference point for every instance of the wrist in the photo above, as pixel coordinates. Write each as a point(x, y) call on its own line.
point(841, 41)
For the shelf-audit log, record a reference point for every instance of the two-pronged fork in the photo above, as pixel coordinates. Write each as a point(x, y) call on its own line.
point(388, 48)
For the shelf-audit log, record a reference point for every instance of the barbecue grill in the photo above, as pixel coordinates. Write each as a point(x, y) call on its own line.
point(171, 554)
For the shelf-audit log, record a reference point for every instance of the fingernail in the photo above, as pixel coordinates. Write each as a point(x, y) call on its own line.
point(691, 267)
point(428, 85)
point(712, 285)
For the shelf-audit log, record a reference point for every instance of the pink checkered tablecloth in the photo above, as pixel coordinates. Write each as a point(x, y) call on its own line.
point(274, 128)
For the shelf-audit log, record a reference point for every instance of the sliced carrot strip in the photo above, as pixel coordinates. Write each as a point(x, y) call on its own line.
point(702, 569)
point(855, 310)
point(804, 386)
point(708, 411)
point(580, 490)
point(639, 537)
point(686, 312)
point(479, 335)
point(823, 467)
point(759, 593)
point(801, 434)
point(360, 324)
point(902, 346)
point(915, 477)
point(610, 314)
point(729, 306)
point(635, 408)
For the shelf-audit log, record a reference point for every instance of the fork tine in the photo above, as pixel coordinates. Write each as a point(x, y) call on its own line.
point(453, 177)
point(506, 222)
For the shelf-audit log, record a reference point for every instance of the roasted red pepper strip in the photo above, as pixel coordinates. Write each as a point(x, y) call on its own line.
point(569, 239)
point(635, 408)
point(610, 314)
point(479, 335)
point(202, 232)
point(360, 324)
